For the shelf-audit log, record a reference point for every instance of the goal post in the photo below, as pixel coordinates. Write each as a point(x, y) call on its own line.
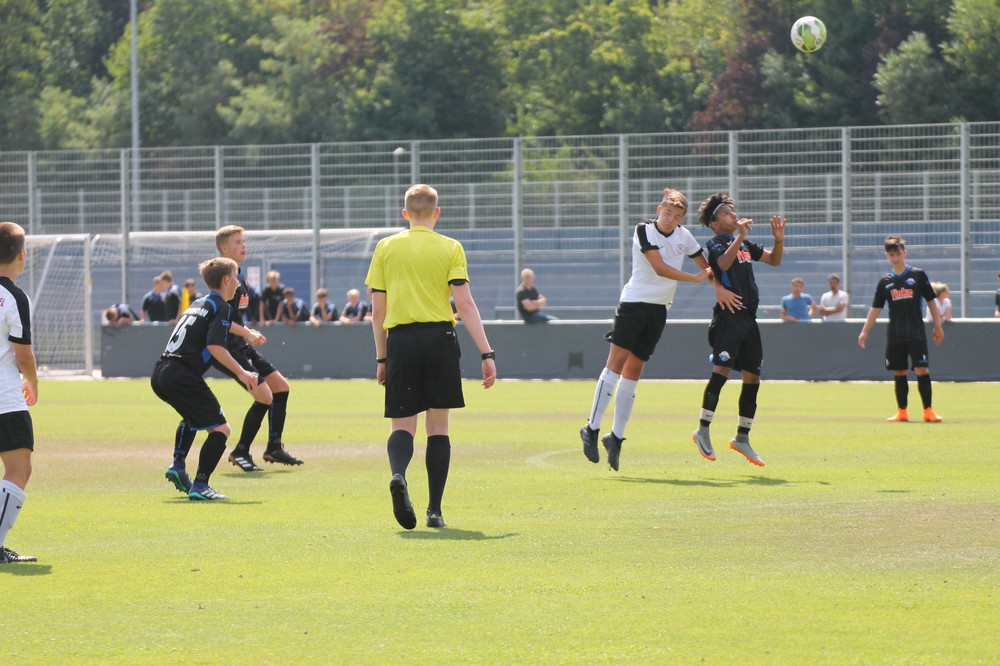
point(57, 279)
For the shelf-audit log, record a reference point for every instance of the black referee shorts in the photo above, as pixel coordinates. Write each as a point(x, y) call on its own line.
point(186, 391)
point(16, 431)
point(638, 327)
point(422, 369)
point(249, 359)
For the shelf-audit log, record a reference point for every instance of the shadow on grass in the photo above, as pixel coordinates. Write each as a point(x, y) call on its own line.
point(452, 534)
point(229, 502)
point(709, 483)
point(26, 569)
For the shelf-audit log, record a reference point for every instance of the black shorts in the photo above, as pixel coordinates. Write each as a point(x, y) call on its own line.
point(896, 354)
point(186, 391)
point(638, 327)
point(249, 359)
point(16, 431)
point(735, 342)
point(422, 369)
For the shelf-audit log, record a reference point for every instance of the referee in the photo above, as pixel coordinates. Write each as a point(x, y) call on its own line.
point(413, 275)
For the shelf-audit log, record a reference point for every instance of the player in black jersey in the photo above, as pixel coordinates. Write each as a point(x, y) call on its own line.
point(734, 335)
point(903, 288)
point(271, 396)
point(199, 339)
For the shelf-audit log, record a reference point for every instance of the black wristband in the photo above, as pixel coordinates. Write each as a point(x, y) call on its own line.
point(490, 354)
point(380, 360)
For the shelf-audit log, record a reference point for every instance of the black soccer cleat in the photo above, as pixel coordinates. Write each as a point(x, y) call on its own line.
point(614, 448)
point(589, 438)
point(7, 556)
point(401, 506)
point(241, 458)
point(434, 519)
point(279, 455)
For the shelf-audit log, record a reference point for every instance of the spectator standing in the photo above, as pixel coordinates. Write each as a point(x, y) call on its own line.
point(904, 288)
point(171, 296)
point(411, 275)
point(189, 294)
point(18, 386)
point(798, 306)
point(833, 304)
point(529, 301)
point(154, 309)
point(943, 295)
point(271, 297)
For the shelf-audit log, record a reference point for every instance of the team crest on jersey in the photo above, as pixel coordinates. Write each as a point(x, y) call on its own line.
point(679, 248)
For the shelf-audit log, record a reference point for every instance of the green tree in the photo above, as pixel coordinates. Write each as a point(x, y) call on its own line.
point(435, 72)
point(974, 52)
point(605, 67)
point(21, 59)
point(191, 54)
point(915, 85)
point(314, 64)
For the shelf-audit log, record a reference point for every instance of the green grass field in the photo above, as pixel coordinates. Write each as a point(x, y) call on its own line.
point(860, 542)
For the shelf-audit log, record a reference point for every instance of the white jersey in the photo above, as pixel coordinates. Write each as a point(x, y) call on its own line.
point(645, 286)
point(831, 300)
point(15, 327)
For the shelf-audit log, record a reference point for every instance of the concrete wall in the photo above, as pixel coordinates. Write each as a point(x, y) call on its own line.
point(577, 350)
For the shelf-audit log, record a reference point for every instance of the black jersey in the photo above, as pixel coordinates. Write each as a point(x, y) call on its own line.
point(205, 322)
point(739, 278)
point(905, 293)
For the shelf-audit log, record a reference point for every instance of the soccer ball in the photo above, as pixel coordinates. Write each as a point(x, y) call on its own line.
point(808, 34)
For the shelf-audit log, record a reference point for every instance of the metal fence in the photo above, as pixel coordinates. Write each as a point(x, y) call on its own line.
point(565, 205)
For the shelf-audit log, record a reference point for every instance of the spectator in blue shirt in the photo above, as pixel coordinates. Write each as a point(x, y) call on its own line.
point(798, 306)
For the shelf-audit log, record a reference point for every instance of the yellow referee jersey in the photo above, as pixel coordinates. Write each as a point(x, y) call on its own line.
point(414, 268)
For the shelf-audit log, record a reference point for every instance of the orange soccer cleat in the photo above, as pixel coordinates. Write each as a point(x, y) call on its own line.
point(900, 417)
point(930, 416)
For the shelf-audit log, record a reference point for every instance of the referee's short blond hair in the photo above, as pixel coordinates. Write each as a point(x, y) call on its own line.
point(421, 200)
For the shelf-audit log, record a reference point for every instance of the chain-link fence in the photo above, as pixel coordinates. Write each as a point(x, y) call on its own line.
point(565, 206)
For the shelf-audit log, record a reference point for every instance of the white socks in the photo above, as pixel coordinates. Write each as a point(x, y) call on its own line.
point(624, 400)
point(602, 397)
point(11, 499)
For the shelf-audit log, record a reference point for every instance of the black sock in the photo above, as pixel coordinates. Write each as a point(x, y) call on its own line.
point(748, 405)
point(183, 439)
point(400, 449)
point(710, 399)
point(924, 386)
point(276, 419)
point(211, 454)
point(251, 425)
point(902, 391)
point(437, 460)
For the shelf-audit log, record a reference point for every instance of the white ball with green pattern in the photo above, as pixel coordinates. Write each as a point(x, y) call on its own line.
point(808, 34)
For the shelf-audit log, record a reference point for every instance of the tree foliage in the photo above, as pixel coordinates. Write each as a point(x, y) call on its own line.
point(293, 71)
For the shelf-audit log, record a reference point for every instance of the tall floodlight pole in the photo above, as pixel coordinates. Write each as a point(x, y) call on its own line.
point(133, 17)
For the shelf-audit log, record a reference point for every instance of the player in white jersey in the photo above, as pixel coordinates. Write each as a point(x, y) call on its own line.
point(659, 247)
point(18, 385)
